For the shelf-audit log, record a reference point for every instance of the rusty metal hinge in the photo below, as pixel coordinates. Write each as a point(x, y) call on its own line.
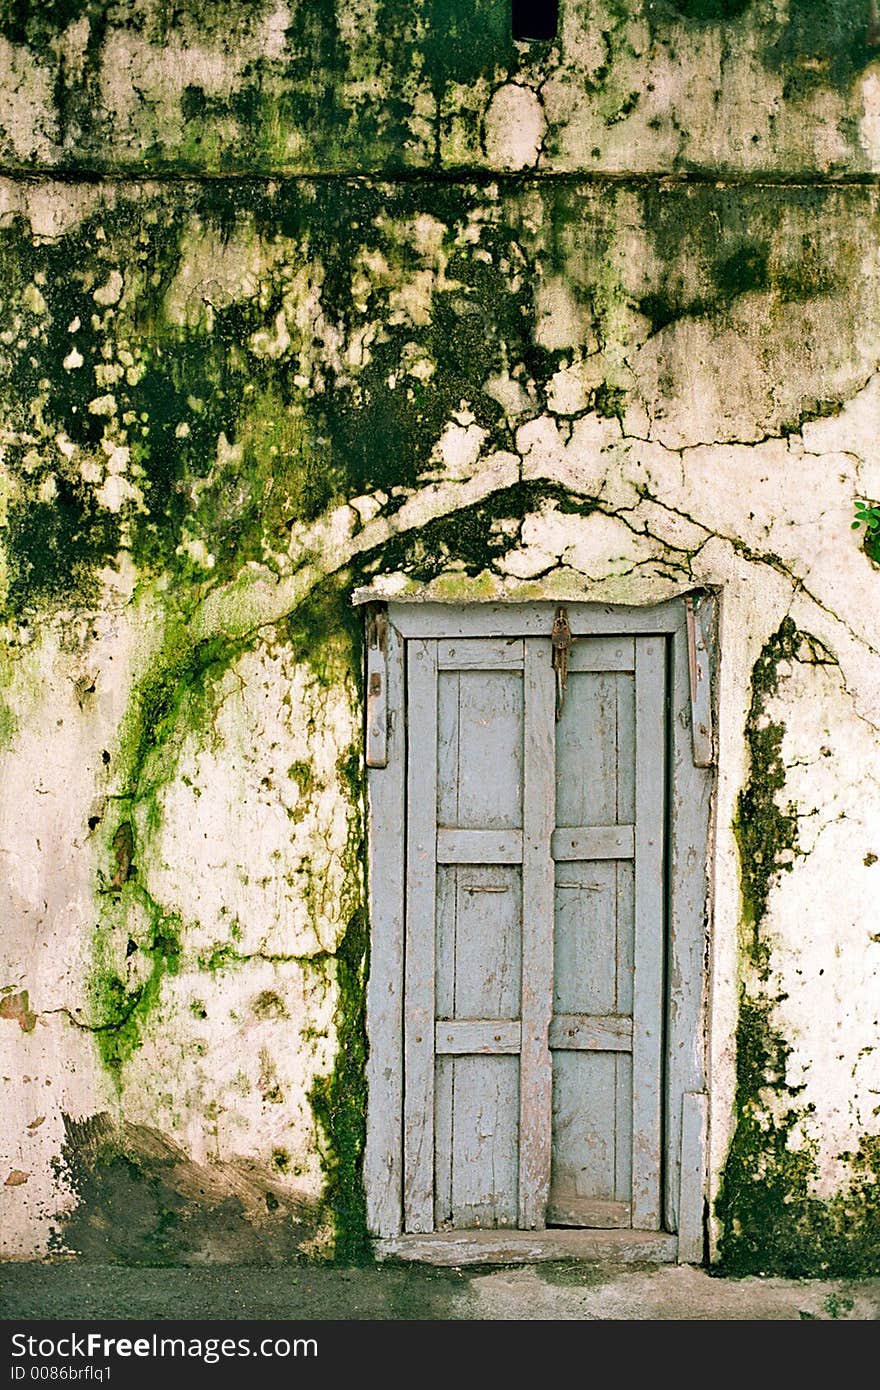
point(377, 688)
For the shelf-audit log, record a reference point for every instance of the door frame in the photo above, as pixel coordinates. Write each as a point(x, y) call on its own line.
point(690, 624)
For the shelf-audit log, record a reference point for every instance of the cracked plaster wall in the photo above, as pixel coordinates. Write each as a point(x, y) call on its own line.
point(226, 405)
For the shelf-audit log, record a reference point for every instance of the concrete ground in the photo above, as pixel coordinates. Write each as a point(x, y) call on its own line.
point(70, 1290)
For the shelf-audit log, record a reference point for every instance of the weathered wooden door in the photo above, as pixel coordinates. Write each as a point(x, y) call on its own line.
point(534, 933)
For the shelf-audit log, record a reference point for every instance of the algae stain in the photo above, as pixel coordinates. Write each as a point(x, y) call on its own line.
point(8, 724)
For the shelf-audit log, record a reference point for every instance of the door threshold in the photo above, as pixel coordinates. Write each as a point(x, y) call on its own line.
point(525, 1247)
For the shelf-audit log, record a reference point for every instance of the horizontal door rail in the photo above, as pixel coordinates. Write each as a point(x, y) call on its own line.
point(479, 846)
point(484, 1035)
point(445, 621)
point(480, 654)
point(602, 654)
point(591, 1033)
point(594, 842)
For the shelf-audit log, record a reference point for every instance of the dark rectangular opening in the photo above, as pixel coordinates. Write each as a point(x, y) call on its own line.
point(534, 19)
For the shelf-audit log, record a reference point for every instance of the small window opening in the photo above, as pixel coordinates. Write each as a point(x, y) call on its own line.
point(534, 19)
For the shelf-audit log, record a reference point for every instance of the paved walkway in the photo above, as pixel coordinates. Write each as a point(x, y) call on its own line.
point(547, 1291)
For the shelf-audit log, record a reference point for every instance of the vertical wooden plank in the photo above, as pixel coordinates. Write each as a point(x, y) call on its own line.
point(448, 768)
point(649, 929)
point(421, 890)
point(444, 1090)
point(448, 777)
point(536, 1074)
point(626, 743)
point(624, 875)
point(700, 686)
point(690, 814)
point(694, 1119)
point(623, 1126)
point(623, 871)
point(444, 992)
point(447, 931)
point(624, 1005)
point(383, 1158)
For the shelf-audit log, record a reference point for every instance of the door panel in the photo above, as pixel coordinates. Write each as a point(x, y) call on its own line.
point(479, 941)
point(485, 1141)
point(585, 952)
point(534, 933)
point(593, 939)
point(480, 746)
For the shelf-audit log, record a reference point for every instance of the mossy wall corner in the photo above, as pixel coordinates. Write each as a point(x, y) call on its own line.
point(773, 1215)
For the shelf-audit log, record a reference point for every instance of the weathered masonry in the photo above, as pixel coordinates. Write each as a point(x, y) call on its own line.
point(440, 668)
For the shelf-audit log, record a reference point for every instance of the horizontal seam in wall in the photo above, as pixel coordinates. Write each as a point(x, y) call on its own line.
point(464, 176)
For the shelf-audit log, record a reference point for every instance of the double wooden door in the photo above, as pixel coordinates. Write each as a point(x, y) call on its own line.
point(534, 933)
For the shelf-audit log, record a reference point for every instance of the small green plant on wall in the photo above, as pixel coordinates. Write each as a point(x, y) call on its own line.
point(868, 515)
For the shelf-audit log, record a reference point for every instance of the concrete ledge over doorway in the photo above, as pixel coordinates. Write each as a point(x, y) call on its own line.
point(517, 1247)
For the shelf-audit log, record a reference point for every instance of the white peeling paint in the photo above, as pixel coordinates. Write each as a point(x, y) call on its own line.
point(514, 126)
point(869, 125)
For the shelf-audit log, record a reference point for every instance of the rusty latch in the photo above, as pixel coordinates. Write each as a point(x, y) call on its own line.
point(561, 640)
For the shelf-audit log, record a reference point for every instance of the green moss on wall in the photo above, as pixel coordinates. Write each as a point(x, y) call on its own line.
point(136, 942)
point(173, 698)
point(238, 412)
point(471, 541)
point(711, 11)
point(231, 434)
point(771, 1220)
point(327, 632)
point(339, 1101)
point(767, 834)
point(38, 22)
point(120, 1006)
point(8, 724)
point(386, 93)
point(464, 39)
point(308, 93)
point(59, 546)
